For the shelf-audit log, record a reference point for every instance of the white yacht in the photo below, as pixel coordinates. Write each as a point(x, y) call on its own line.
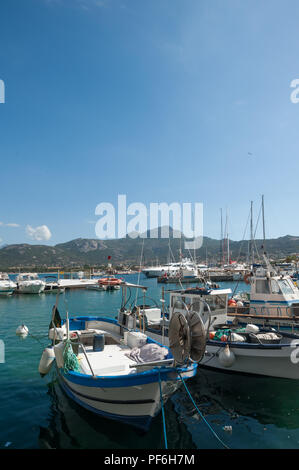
point(7, 286)
point(184, 268)
point(29, 283)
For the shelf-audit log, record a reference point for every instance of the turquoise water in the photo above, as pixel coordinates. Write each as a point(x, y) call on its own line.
point(34, 412)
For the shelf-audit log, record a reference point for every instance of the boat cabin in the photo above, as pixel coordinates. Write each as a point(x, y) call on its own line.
point(204, 301)
point(273, 295)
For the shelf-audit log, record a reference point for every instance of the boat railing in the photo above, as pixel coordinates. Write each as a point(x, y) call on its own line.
point(278, 311)
point(85, 354)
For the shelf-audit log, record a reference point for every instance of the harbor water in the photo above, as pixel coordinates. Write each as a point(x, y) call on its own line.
point(257, 412)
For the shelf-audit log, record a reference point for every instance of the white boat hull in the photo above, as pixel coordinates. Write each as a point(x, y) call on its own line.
point(6, 292)
point(267, 362)
point(272, 363)
point(30, 288)
point(134, 405)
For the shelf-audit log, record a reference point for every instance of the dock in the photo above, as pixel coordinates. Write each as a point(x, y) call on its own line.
point(77, 283)
point(177, 280)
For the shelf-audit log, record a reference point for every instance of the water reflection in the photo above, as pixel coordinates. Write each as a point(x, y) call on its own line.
point(71, 426)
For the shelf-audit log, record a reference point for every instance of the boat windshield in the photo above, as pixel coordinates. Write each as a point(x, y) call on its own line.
point(262, 286)
point(216, 302)
point(275, 287)
point(285, 287)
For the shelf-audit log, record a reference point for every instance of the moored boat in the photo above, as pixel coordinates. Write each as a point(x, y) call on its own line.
point(7, 286)
point(230, 346)
point(29, 283)
point(110, 283)
point(109, 368)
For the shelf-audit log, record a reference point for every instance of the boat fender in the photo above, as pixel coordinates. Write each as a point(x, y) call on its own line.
point(59, 334)
point(227, 357)
point(58, 350)
point(46, 361)
point(240, 303)
point(22, 330)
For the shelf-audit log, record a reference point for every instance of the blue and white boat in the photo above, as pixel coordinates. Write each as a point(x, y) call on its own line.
point(108, 367)
point(230, 346)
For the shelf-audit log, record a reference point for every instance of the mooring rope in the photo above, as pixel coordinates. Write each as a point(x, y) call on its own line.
point(201, 415)
point(163, 414)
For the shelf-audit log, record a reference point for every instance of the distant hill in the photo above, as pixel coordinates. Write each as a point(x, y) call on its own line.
point(94, 252)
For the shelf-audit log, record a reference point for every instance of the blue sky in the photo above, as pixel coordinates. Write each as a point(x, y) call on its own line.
point(161, 100)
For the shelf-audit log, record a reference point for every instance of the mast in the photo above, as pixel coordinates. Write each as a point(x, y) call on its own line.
point(221, 238)
point(251, 232)
point(264, 230)
point(227, 239)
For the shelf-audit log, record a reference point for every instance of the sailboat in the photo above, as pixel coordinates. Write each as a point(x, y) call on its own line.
point(274, 297)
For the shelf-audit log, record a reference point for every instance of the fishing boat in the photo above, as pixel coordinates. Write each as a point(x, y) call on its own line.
point(7, 286)
point(273, 299)
point(108, 367)
point(29, 283)
point(110, 283)
point(230, 346)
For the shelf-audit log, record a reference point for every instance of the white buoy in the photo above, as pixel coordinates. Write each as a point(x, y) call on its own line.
point(22, 330)
point(46, 361)
point(227, 357)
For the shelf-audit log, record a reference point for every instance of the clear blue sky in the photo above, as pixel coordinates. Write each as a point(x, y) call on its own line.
point(162, 100)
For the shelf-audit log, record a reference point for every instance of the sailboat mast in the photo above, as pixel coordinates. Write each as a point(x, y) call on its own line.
point(227, 239)
point(221, 238)
point(251, 231)
point(264, 230)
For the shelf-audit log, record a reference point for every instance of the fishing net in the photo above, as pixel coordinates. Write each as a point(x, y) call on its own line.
point(70, 359)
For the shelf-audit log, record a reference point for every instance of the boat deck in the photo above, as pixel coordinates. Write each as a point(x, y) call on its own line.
point(111, 361)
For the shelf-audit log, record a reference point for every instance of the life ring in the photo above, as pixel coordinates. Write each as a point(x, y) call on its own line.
point(246, 278)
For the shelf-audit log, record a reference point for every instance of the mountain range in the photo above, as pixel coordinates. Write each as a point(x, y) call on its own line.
point(94, 252)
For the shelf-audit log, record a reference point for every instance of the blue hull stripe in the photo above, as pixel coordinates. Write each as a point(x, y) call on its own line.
point(114, 402)
point(142, 422)
point(279, 302)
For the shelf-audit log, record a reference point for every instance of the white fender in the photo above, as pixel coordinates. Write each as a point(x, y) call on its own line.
point(58, 350)
point(226, 357)
point(46, 361)
point(59, 333)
